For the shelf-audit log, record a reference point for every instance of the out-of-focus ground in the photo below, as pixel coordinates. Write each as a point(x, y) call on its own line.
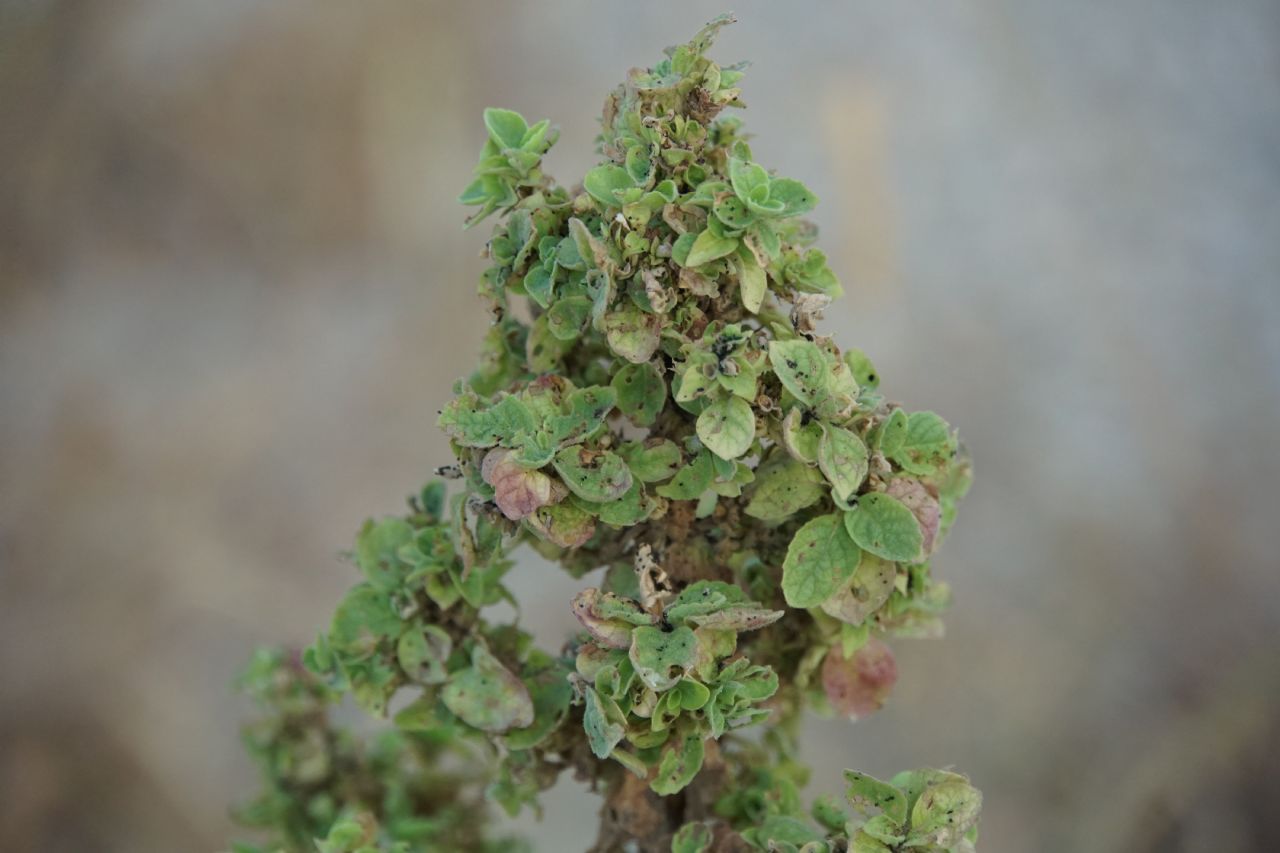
point(234, 290)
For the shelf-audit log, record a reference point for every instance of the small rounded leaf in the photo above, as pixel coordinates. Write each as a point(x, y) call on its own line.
point(886, 527)
point(727, 427)
point(819, 559)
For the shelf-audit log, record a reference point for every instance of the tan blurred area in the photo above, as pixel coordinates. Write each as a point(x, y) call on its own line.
point(234, 290)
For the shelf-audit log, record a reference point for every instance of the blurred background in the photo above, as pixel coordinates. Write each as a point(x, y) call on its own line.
point(234, 289)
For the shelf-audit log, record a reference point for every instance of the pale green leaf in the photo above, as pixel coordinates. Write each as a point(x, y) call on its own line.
point(727, 427)
point(801, 367)
point(819, 559)
point(842, 457)
point(885, 527)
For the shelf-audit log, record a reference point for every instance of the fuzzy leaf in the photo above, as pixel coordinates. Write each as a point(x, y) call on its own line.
point(506, 127)
point(801, 368)
point(633, 334)
point(681, 761)
point(865, 593)
point(661, 657)
point(604, 731)
point(377, 550)
point(946, 810)
point(563, 524)
point(886, 527)
point(916, 497)
point(783, 488)
point(727, 427)
point(422, 652)
point(472, 423)
point(893, 432)
point(487, 696)
point(868, 795)
point(611, 631)
point(857, 686)
point(656, 460)
point(551, 693)
point(800, 439)
point(752, 282)
point(593, 475)
point(819, 559)
point(927, 445)
point(642, 392)
point(691, 480)
point(843, 459)
point(603, 181)
point(708, 246)
point(518, 491)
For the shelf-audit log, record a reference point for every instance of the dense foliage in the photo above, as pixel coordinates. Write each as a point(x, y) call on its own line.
point(654, 401)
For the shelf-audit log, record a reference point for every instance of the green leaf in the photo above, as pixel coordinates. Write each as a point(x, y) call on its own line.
point(612, 630)
point(885, 527)
point(423, 652)
point(656, 460)
point(377, 550)
point(783, 488)
point(747, 178)
point(506, 127)
point(927, 445)
point(567, 316)
point(691, 480)
point(734, 213)
point(801, 439)
point(692, 838)
point(487, 696)
point(633, 334)
point(708, 246)
point(593, 475)
point(662, 657)
point(794, 196)
point(603, 181)
point(801, 367)
point(564, 524)
point(946, 810)
point(863, 370)
point(632, 508)
point(472, 423)
point(843, 459)
point(603, 727)
point(727, 427)
point(819, 559)
point(538, 283)
point(363, 619)
point(681, 761)
point(869, 795)
point(752, 282)
point(865, 593)
point(893, 432)
point(642, 392)
point(551, 693)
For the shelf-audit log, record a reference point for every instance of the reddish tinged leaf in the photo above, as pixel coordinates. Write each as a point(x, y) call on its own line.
point(614, 633)
point(923, 505)
point(517, 490)
point(858, 686)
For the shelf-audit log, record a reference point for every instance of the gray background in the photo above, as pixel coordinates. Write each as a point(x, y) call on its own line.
point(234, 290)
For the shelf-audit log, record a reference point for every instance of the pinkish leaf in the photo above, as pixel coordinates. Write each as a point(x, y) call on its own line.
point(517, 490)
point(923, 505)
point(858, 686)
